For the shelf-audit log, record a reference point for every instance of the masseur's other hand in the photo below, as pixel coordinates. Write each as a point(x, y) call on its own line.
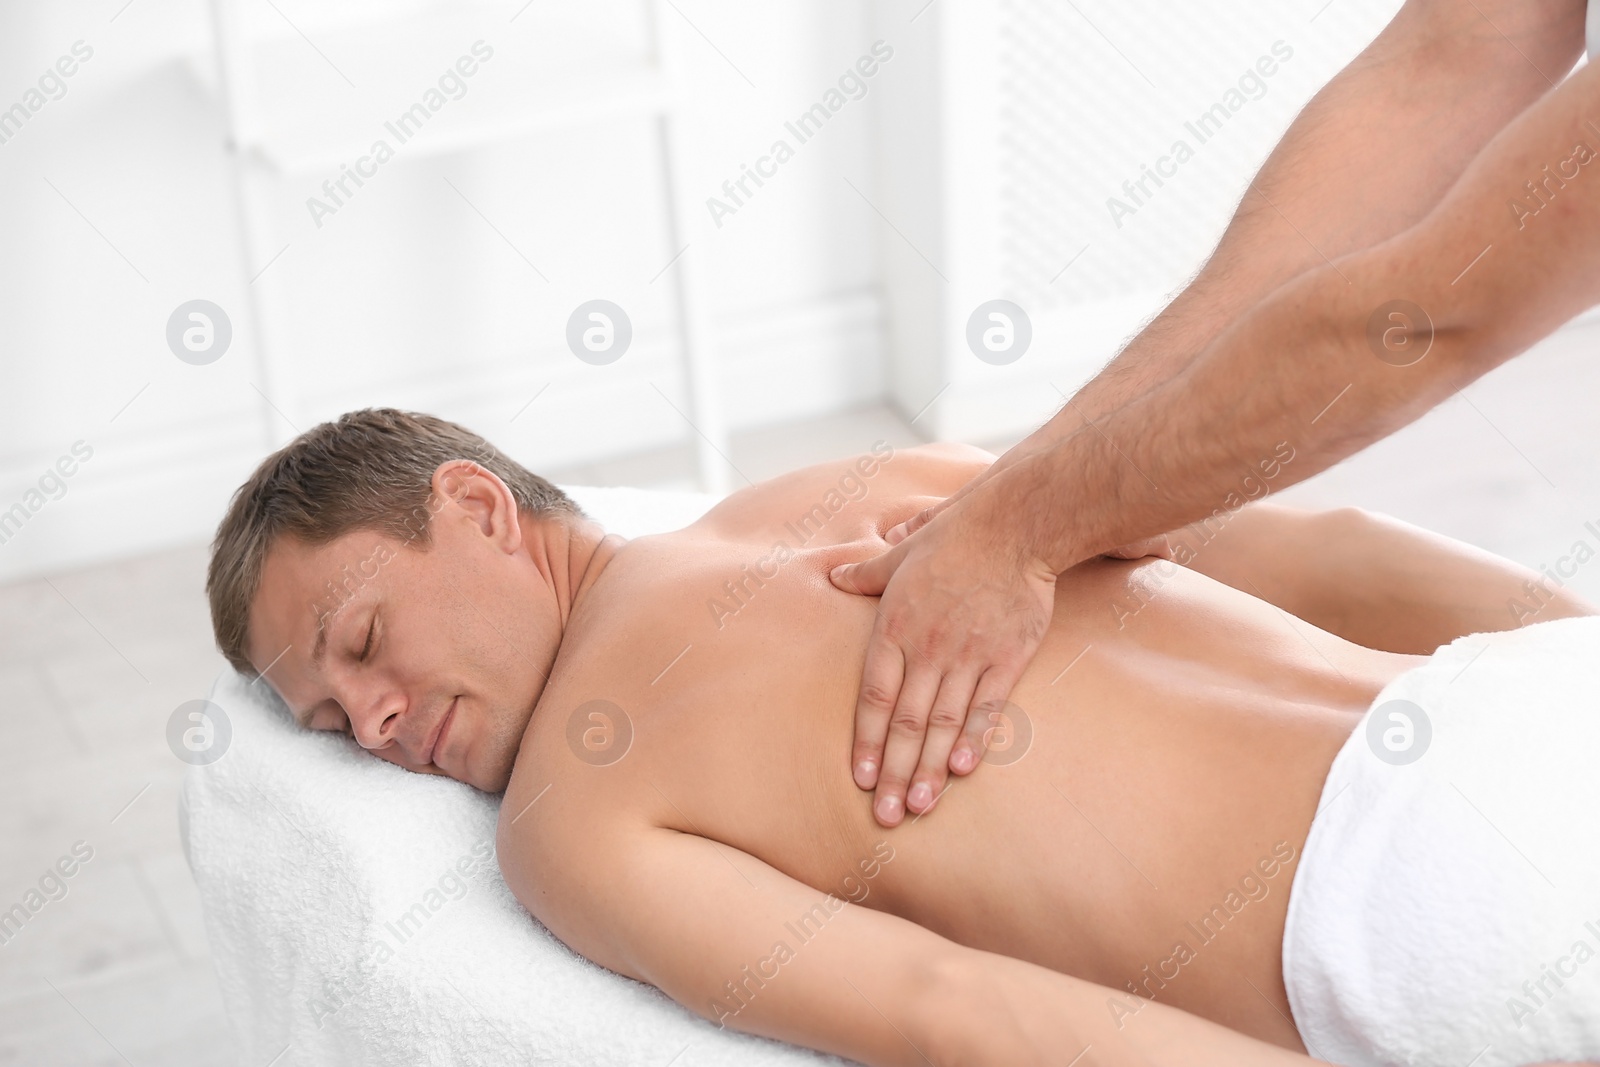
point(1158, 546)
point(963, 610)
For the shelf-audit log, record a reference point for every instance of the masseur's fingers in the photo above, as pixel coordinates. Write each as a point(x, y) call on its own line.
point(1147, 546)
point(969, 747)
point(985, 716)
point(900, 531)
point(964, 600)
point(880, 688)
point(901, 751)
point(944, 726)
point(869, 577)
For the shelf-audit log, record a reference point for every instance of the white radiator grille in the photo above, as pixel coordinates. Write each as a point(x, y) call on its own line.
point(1090, 92)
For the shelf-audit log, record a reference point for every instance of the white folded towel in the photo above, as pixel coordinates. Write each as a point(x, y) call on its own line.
point(357, 915)
point(1446, 909)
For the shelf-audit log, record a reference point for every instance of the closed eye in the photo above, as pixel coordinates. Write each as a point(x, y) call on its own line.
point(366, 649)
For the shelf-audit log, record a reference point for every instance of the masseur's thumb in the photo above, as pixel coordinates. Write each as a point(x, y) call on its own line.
point(869, 577)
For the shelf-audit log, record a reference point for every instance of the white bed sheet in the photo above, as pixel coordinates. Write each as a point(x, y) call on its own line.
point(356, 914)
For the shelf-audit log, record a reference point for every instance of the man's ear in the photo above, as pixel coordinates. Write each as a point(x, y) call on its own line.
point(463, 488)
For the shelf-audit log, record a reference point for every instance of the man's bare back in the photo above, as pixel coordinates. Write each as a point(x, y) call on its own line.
point(1137, 827)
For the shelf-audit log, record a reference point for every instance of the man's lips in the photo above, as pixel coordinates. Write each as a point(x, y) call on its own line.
point(439, 731)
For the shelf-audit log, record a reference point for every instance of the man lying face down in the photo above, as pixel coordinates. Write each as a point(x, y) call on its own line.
point(670, 719)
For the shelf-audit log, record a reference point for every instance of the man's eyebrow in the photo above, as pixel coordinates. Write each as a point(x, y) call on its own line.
point(320, 647)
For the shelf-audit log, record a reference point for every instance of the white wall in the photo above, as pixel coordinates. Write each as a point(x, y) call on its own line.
point(118, 206)
point(977, 163)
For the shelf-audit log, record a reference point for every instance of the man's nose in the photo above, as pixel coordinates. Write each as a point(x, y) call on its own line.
point(374, 709)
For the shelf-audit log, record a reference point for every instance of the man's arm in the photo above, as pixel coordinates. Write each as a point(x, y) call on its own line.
point(1369, 578)
point(1326, 364)
point(1321, 365)
point(744, 945)
point(1367, 158)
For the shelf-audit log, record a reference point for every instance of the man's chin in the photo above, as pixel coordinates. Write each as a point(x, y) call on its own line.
point(480, 757)
point(491, 774)
point(425, 768)
point(491, 782)
point(495, 779)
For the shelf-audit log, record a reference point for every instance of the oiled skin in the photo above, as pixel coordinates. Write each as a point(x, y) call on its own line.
point(1167, 763)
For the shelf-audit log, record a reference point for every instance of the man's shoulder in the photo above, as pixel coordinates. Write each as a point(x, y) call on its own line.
point(571, 791)
point(623, 674)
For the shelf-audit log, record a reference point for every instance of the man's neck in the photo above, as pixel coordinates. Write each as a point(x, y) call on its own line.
point(570, 555)
point(573, 552)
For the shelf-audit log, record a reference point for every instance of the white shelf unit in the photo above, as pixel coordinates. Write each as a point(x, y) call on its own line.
point(277, 135)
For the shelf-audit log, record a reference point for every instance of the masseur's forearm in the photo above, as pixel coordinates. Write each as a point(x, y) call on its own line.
point(1285, 392)
point(1312, 368)
point(1440, 76)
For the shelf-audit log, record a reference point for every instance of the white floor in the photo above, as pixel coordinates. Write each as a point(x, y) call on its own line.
point(93, 662)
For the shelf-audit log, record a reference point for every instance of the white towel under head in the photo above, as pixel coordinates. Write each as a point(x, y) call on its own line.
point(356, 913)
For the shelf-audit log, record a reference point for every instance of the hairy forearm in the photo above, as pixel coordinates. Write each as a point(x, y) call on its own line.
point(1314, 367)
point(1438, 75)
point(1203, 442)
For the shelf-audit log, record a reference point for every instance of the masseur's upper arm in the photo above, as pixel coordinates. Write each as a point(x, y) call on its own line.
point(1513, 250)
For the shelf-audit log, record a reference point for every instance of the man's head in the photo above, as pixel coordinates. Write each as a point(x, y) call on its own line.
point(391, 569)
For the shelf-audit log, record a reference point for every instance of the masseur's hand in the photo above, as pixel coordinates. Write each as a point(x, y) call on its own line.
point(963, 610)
